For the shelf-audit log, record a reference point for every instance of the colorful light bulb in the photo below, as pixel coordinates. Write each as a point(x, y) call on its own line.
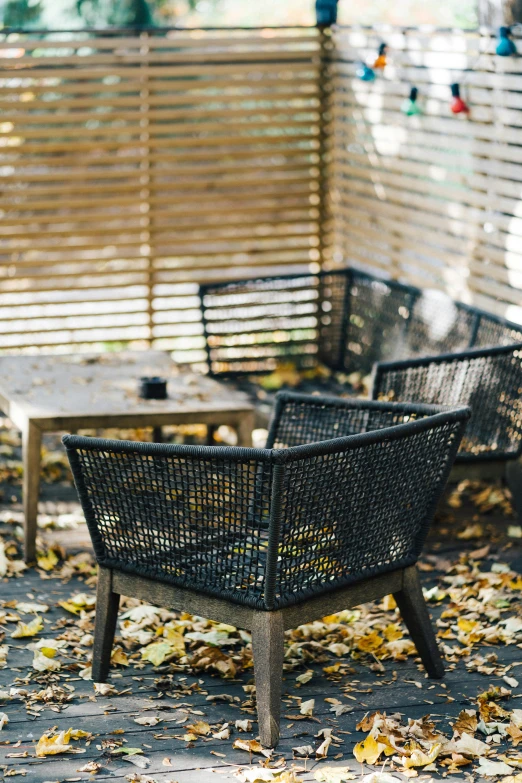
point(364, 72)
point(326, 12)
point(410, 107)
point(505, 46)
point(457, 105)
point(380, 62)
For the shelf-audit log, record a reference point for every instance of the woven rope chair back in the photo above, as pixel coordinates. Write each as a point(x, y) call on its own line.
point(346, 319)
point(488, 380)
point(266, 527)
point(364, 510)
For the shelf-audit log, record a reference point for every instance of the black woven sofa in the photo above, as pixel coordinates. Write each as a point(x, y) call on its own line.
point(267, 539)
point(345, 320)
point(420, 345)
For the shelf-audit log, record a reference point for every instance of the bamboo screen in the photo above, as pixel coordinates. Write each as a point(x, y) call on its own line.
point(134, 168)
point(434, 199)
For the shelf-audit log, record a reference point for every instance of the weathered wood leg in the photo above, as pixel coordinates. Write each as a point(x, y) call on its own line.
point(513, 477)
point(31, 455)
point(157, 435)
point(211, 430)
point(267, 645)
point(244, 429)
point(414, 612)
point(107, 604)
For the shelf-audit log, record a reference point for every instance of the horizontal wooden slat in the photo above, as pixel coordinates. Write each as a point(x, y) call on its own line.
point(133, 168)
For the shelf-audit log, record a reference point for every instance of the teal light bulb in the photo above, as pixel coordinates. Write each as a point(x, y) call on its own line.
point(410, 108)
point(505, 46)
point(365, 73)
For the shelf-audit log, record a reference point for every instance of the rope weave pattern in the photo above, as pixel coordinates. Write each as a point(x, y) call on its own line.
point(266, 527)
point(358, 320)
point(489, 381)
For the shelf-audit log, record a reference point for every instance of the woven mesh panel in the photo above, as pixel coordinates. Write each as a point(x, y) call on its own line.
point(302, 421)
point(492, 332)
point(199, 523)
point(377, 318)
point(349, 515)
point(438, 325)
point(253, 325)
point(263, 527)
point(490, 385)
point(331, 323)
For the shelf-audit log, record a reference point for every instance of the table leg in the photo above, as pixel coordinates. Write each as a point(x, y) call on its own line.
point(244, 429)
point(157, 435)
point(31, 448)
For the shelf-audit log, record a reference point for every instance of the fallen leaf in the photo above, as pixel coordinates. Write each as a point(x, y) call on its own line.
point(48, 561)
point(28, 629)
point(492, 769)
point(251, 746)
point(336, 775)
point(307, 707)
point(419, 758)
point(151, 720)
point(49, 745)
point(156, 653)
point(92, 767)
point(322, 750)
point(369, 750)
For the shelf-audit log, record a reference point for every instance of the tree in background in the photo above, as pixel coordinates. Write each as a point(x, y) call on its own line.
point(122, 13)
point(60, 14)
point(22, 13)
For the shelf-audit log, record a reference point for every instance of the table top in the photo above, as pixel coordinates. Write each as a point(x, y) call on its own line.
point(94, 386)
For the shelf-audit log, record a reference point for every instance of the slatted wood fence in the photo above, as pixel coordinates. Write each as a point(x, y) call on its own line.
point(436, 199)
point(132, 168)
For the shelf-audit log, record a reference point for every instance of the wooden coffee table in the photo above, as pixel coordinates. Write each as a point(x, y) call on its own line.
point(78, 391)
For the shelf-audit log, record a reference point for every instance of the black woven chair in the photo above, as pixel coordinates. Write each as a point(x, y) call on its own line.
point(489, 380)
point(346, 319)
point(267, 539)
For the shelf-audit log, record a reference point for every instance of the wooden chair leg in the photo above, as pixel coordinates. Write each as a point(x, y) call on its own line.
point(414, 611)
point(107, 604)
point(267, 645)
point(513, 477)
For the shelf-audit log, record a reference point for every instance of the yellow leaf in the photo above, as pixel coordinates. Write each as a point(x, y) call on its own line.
point(332, 669)
point(119, 657)
point(393, 632)
point(251, 746)
point(419, 758)
point(200, 728)
point(156, 653)
point(331, 618)
point(467, 625)
point(44, 664)
point(371, 642)
point(70, 607)
point(79, 733)
point(175, 639)
point(368, 750)
point(48, 561)
point(389, 603)
point(28, 629)
point(50, 746)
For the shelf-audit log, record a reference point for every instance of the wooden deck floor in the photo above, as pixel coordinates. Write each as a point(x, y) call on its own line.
point(400, 688)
